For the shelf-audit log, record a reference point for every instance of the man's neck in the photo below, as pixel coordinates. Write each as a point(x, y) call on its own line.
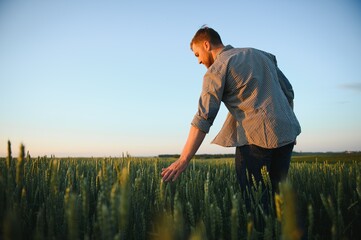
point(216, 50)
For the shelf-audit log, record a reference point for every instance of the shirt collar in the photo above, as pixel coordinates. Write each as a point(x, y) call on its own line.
point(226, 48)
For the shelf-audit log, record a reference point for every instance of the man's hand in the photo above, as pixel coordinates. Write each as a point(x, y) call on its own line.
point(174, 170)
point(194, 140)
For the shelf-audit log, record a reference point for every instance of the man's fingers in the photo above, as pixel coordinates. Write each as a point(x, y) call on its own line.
point(165, 170)
point(172, 172)
point(165, 175)
point(168, 175)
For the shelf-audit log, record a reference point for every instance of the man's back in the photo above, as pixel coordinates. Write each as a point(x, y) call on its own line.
point(248, 82)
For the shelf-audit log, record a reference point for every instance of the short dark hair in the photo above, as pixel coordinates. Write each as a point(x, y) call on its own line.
point(206, 34)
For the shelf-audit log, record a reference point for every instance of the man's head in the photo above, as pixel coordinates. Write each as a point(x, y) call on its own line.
point(205, 44)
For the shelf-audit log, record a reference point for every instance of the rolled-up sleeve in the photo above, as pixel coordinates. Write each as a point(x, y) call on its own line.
point(209, 101)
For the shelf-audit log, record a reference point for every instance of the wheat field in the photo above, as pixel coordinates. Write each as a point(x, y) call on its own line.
point(125, 198)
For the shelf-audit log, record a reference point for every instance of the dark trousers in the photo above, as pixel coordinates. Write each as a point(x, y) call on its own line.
point(250, 159)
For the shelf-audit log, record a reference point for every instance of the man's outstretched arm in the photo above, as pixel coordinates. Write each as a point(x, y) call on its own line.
point(194, 141)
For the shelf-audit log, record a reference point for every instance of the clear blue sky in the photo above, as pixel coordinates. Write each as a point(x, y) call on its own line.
point(98, 78)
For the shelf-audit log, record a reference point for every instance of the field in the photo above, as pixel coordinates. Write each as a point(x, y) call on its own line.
point(124, 198)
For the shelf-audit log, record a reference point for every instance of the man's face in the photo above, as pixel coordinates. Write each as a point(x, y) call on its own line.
point(202, 52)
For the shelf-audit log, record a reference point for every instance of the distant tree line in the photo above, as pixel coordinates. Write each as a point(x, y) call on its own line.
point(208, 156)
point(199, 156)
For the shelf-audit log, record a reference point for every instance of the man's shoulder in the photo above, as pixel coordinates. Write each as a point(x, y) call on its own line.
point(241, 50)
point(244, 52)
point(254, 52)
point(250, 50)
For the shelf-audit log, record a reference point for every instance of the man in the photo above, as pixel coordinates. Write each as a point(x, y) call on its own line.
point(261, 123)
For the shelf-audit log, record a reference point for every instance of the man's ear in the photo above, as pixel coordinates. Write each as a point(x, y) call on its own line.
point(207, 45)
